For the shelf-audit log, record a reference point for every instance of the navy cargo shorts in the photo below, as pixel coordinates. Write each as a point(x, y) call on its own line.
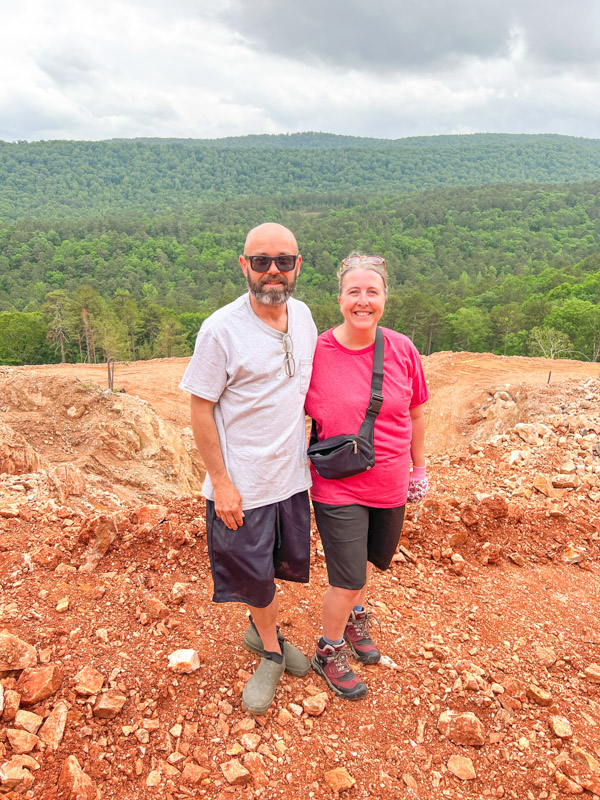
point(273, 542)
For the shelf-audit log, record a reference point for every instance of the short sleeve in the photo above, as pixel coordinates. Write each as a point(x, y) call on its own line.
point(206, 374)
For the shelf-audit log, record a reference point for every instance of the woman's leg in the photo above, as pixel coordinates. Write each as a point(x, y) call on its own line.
point(343, 531)
point(363, 592)
point(337, 605)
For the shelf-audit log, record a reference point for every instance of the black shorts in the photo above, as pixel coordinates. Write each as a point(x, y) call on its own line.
point(353, 535)
point(273, 542)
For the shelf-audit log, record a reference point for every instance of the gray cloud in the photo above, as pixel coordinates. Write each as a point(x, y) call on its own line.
point(381, 34)
point(199, 68)
point(418, 34)
point(67, 68)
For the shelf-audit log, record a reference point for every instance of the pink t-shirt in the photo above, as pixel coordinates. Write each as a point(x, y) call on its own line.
point(337, 399)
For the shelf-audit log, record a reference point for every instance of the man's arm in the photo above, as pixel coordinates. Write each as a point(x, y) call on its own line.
point(228, 501)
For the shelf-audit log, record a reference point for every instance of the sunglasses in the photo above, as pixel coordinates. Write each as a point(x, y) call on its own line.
point(353, 261)
point(263, 263)
point(288, 348)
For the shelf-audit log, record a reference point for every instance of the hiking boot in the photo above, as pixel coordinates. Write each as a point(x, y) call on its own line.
point(296, 663)
point(259, 692)
point(330, 661)
point(357, 635)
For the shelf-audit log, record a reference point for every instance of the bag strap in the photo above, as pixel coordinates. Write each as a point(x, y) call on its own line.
point(367, 428)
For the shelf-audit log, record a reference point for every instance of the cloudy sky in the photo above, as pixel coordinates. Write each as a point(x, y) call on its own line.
point(98, 69)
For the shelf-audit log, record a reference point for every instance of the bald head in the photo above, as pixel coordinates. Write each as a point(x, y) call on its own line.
point(273, 287)
point(268, 237)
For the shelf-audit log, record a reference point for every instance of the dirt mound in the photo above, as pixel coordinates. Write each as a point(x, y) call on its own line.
point(84, 445)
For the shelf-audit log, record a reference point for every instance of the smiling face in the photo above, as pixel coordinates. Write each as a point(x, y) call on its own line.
point(362, 299)
point(270, 288)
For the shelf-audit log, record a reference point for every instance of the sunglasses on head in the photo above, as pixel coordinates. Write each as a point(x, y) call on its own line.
point(263, 263)
point(354, 261)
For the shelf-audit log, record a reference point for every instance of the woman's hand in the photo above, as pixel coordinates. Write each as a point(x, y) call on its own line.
point(418, 485)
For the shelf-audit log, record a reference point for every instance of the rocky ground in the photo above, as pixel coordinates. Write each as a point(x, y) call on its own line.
point(488, 619)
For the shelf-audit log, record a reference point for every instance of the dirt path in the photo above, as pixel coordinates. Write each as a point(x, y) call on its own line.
point(455, 382)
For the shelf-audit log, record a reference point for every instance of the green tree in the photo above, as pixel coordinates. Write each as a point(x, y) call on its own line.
point(470, 329)
point(23, 338)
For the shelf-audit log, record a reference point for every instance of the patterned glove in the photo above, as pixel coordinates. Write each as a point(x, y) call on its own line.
point(418, 485)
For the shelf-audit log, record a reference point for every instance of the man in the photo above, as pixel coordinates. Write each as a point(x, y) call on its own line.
point(248, 378)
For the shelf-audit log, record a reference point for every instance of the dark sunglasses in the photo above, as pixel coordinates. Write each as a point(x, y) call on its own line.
point(263, 263)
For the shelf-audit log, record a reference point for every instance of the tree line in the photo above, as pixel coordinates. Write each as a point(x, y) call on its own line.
point(67, 179)
point(511, 269)
point(555, 313)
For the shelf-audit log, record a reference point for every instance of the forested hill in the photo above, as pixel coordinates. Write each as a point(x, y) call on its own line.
point(66, 179)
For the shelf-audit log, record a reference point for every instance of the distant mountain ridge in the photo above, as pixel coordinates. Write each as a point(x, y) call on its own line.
point(63, 179)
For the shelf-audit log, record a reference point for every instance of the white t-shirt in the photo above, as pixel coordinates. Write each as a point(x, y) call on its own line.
point(238, 364)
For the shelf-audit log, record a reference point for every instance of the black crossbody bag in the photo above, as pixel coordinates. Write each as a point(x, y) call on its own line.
point(350, 454)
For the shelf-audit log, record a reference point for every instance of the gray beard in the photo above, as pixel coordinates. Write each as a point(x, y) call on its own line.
point(271, 297)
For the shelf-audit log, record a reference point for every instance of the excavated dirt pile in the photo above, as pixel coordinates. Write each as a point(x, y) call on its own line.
point(92, 448)
point(120, 679)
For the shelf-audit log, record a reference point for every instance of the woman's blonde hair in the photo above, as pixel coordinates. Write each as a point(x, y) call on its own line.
point(358, 260)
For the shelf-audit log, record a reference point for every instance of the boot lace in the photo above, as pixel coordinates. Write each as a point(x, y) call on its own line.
point(363, 626)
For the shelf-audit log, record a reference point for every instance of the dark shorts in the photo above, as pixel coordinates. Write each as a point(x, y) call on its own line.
point(273, 542)
point(353, 535)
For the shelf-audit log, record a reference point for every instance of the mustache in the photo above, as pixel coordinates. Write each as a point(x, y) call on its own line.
point(272, 279)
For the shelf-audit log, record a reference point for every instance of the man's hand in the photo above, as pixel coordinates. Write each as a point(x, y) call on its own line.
point(228, 505)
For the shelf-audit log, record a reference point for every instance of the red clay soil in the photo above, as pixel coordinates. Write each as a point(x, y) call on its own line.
point(489, 611)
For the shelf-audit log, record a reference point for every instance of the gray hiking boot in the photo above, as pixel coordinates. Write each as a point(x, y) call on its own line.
point(296, 663)
point(259, 692)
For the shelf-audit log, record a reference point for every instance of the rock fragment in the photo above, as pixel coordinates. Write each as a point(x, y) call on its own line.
point(539, 696)
point(15, 653)
point(255, 765)
point(193, 773)
point(462, 767)
point(339, 779)
point(572, 554)
point(152, 514)
point(250, 741)
point(109, 705)
point(88, 681)
point(545, 655)
point(62, 605)
point(157, 610)
point(592, 673)
point(179, 592)
point(580, 773)
point(22, 741)
point(28, 721)
point(38, 683)
point(15, 777)
point(566, 785)
point(102, 532)
point(315, 706)
point(235, 773)
point(12, 701)
point(462, 728)
point(53, 729)
point(154, 778)
point(585, 758)
point(560, 727)
point(184, 661)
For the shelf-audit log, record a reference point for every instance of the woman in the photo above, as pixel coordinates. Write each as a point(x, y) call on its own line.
point(360, 518)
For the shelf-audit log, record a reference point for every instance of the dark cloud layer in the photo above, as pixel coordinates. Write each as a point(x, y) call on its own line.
point(418, 34)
